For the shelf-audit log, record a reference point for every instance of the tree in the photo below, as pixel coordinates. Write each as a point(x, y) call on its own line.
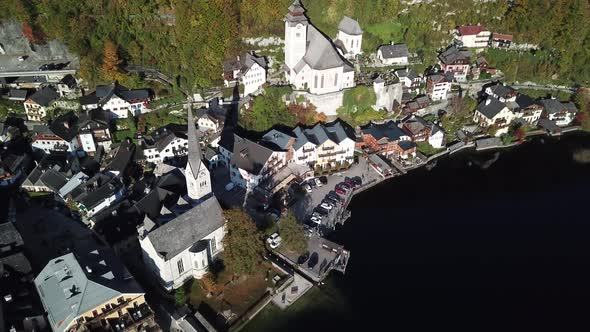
point(209, 283)
point(292, 233)
point(180, 297)
point(243, 244)
point(110, 62)
point(131, 122)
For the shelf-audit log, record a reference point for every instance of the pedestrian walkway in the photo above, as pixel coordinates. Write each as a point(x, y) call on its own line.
point(291, 292)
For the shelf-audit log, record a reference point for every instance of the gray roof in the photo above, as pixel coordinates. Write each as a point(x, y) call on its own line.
point(501, 90)
point(72, 183)
point(18, 94)
point(194, 145)
point(187, 229)
point(394, 51)
point(296, 14)
point(250, 156)
point(388, 130)
point(320, 133)
point(491, 109)
point(106, 92)
point(453, 54)
point(68, 290)
point(278, 138)
point(350, 26)
point(9, 235)
point(53, 180)
point(65, 126)
point(244, 62)
point(555, 106)
point(45, 96)
point(321, 52)
point(409, 73)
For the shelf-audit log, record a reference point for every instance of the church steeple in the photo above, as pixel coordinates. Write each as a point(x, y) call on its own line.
point(198, 180)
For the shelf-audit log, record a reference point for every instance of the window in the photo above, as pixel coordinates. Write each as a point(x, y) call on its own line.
point(180, 266)
point(203, 263)
point(213, 245)
point(322, 81)
point(336, 79)
point(315, 82)
point(298, 35)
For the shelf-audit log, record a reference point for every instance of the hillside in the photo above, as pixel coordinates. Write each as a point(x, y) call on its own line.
point(189, 39)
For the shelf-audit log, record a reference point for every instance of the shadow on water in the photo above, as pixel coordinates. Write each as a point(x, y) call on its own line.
point(503, 247)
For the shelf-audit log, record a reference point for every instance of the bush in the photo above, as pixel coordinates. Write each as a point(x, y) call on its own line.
point(180, 297)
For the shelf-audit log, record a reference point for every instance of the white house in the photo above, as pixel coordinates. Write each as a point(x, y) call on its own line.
point(350, 37)
point(492, 112)
point(247, 68)
point(312, 61)
point(118, 100)
point(394, 54)
point(458, 62)
point(409, 78)
point(439, 85)
point(37, 105)
point(208, 120)
point(524, 107)
point(68, 87)
point(252, 163)
point(324, 146)
point(503, 93)
point(561, 113)
point(60, 136)
point(165, 146)
point(437, 137)
point(473, 36)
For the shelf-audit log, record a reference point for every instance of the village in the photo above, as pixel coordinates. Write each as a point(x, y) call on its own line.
point(120, 203)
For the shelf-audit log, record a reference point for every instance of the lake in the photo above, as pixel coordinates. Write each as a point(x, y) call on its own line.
point(473, 244)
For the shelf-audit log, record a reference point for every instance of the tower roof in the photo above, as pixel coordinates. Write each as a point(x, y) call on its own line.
point(194, 147)
point(296, 14)
point(296, 8)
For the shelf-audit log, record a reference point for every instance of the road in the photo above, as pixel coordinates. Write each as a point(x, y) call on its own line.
point(62, 72)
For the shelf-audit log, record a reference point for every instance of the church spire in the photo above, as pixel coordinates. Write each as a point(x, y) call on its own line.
point(194, 145)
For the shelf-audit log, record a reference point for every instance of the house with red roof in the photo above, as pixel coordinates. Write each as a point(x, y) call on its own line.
point(473, 36)
point(500, 40)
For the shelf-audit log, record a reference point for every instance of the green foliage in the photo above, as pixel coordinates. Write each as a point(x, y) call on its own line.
point(267, 110)
point(120, 135)
point(460, 114)
point(7, 107)
point(426, 149)
point(180, 297)
point(292, 233)
point(243, 244)
point(357, 106)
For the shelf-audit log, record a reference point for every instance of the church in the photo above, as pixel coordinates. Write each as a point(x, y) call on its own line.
point(312, 61)
point(184, 238)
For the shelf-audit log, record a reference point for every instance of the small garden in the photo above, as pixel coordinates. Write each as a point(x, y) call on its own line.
point(357, 106)
point(426, 149)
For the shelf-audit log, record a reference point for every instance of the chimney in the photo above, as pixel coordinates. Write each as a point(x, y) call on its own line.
point(488, 101)
point(88, 269)
point(67, 124)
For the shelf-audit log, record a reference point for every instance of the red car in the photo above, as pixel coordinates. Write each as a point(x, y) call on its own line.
point(340, 191)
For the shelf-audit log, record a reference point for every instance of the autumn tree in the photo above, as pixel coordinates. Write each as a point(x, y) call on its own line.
point(292, 233)
point(243, 246)
point(110, 62)
point(209, 283)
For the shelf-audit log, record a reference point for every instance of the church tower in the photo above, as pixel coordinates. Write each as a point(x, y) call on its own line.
point(296, 24)
point(198, 179)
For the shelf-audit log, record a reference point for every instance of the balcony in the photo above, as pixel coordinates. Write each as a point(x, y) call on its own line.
point(132, 319)
point(308, 150)
point(327, 155)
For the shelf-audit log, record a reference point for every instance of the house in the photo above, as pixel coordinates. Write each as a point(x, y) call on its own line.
point(44, 180)
point(324, 145)
point(409, 78)
point(68, 87)
point(92, 292)
point(389, 96)
point(503, 93)
point(226, 147)
point(119, 159)
point(417, 128)
point(94, 130)
point(561, 113)
point(417, 104)
point(19, 95)
point(393, 54)
point(525, 108)
point(455, 61)
point(61, 135)
point(165, 143)
point(37, 105)
point(481, 63)
point(98, 193)
point(500, 40)
point(209, 120)
point(252, 163)
point(247, 68)
point(493, 112)
point(312, 61)
point(473, 36)
point(118, 100)
point(383, 138)
point(198, 238)
point(350, 37)
point(438, 86)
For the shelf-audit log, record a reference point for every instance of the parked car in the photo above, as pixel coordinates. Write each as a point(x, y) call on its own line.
point(316, 220)
point(323, 179)
point(326, 206)
point(334, 196)
point(274, 214)
point(320, 210)
point(274, 240)
point(307, 188)
point(303, 258)
point(344, 187)
point(312, 183)
point(332, 200)
point(318, 182)
point(339, 191)
point(230, 186)
point(358, 180)
point(313, 260)
point(22, 58)
point(317, 215)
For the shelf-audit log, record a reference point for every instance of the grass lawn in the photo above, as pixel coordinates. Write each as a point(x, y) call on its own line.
point(387, 31)
point(427, 149)
point(357, 106)
point(34, 194)
point(238, 296)
point(120, 135)
point(171, 99)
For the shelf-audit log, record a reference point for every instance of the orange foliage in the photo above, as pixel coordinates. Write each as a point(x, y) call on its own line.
point(306, 114)
point(110, 61)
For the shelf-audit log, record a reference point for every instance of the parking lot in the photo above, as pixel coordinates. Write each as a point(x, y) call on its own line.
point(304, 207)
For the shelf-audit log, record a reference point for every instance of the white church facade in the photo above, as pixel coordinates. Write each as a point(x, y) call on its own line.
point(312, 61)
point(185, 238)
